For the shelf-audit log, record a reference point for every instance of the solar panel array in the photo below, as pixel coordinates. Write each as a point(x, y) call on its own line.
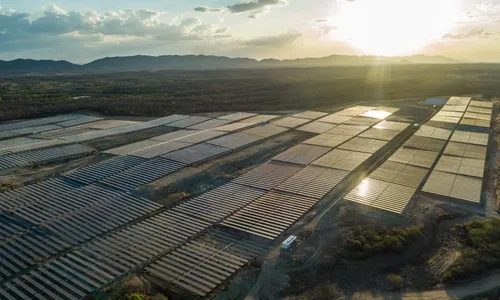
point(38, 122)
point(13, 160)
point(108, 124)
point(58, 133)
point(83, 270)
point(391, 186)
point(41, 220)
point(99, 171)
point(207, 261)
point(142, 174)
point(87, 136)
point(288, 191)
point(460, 170)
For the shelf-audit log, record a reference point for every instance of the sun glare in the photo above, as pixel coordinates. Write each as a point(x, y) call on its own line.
point(394, 27)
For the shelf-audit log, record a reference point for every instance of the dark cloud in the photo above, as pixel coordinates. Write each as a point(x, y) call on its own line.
point(256, 7)
point(280, 40)
point(253, 5)
point(473, 33)
point(208, 9)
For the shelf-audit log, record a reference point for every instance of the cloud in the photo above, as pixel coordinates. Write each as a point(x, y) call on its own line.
point(256, 7)
point(128, 23)
point(253, 5)
point(473, 33)
point(280, 40)
point(324, 30)
point(208, 9)
point(321, 21)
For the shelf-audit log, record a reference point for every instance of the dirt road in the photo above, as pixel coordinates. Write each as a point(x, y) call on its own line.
point(457, 292)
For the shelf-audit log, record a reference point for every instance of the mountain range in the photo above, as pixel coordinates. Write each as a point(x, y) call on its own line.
point(203, 62)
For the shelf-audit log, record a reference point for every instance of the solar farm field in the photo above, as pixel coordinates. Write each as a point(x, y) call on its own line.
point(79, 233)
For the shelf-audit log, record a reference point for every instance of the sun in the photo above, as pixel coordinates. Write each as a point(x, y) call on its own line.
point(394, 27)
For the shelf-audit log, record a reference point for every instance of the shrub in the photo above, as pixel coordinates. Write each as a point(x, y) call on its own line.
point(397, 282)
point(361, 243)
point(136, 296)
point(159, 297)
point(481, 241)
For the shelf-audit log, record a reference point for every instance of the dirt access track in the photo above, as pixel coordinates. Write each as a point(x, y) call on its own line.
point(455, 292)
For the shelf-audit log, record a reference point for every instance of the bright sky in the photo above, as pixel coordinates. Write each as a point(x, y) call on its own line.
point(81, 31)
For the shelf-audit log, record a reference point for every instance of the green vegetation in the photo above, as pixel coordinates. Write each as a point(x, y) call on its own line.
point(362, 243)
point(166, 92)
point(480, 252)
point(142, 296)
point(136, 296)
point(396, 281)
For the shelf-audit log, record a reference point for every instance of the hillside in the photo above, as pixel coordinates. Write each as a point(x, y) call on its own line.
point(202, 62)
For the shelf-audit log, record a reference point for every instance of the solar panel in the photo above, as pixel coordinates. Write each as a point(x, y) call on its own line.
point(130, 148)
point(302, 154)
point(411, 176)
point(335, 119)
point(209, 124)
point(172, 136)
point(290, 122)
point(237, 116)
point(265, 131)
point(367, 191)
point(388, 171)
point(142, 174)
point(313, 181)
point(380, 134)
point(439, 183)
point(234, 127)
point(159, 149)
point(348, 163)
point(268, 175)
point(310, 115)
point(187, 122)
point(316, 127)
point(79, 121)
point(104, 169)
point(36, 129)
point(400, 126)
point(235, 140)
point(344, 129)
point(108, 124)
point(363, 145)
point(328, 140)
point(220, 202)
point(362, 121)
point(196, 153)
point(261, 118)
point(467, 188)
point(394, 198)
point(202, 136)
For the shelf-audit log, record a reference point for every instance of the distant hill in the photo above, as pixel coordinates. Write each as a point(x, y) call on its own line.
point(203, 62)
point(31, 65)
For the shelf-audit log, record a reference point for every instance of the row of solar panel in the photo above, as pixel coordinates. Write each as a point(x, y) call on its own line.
point(65, 278)
point(42, 220)
point(13, 160)
point(83, 270)
point(286, 188)
point(459, 171)
point(128, 174)
point(392, 185)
